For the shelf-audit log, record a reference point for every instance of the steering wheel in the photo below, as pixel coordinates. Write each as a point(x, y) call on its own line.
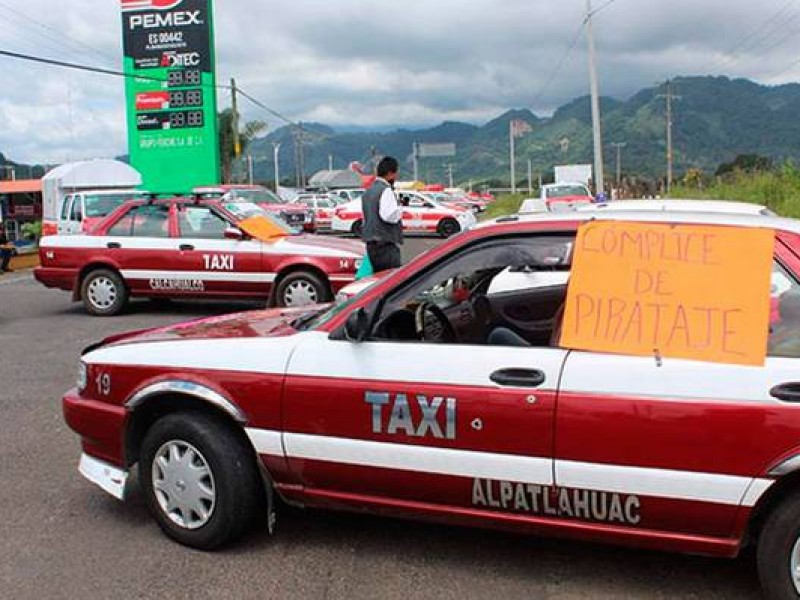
point(441, 327)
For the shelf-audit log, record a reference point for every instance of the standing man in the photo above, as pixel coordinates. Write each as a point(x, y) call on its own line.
point(383, 230)
point(6, 249)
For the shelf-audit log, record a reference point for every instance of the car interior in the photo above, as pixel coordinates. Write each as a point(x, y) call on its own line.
point(504, 293)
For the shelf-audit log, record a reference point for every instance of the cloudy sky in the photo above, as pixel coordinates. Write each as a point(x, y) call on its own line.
point(379, 63)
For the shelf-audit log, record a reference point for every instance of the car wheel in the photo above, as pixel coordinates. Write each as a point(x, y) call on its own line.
point(358, 228)
point(200, 480)
point(448, 227)
point(104, 293)
point(779, 552)
point(301, 288)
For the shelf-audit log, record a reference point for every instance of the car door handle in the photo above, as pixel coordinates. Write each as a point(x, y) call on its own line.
point(186, 247)
point(518, 377)
point(786, 392)
point(113, 245)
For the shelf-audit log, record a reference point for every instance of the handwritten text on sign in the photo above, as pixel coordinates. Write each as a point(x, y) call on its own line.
point(681, 291)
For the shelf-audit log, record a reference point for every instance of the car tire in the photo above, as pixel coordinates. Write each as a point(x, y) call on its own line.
point(358, 228)
point(448, 228)
point(104, 293)
point(215, 501)
point(301, 288)
point(778, 552)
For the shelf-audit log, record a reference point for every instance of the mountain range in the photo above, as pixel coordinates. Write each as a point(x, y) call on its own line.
point(714, 120)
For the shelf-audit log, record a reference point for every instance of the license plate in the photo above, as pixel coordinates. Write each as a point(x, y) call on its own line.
point(296, 218)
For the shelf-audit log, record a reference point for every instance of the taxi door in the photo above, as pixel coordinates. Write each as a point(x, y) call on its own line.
point(460, 426)
point(680, 446)
point(217, 266)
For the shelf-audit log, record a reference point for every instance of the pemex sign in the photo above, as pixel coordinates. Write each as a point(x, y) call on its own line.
point(168, 48)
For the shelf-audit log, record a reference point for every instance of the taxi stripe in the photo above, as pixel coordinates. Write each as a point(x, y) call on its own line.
point(660, 483)
point(204, 275)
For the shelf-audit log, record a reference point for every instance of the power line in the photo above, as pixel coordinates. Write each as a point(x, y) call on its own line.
point(602, 7)
point(554, 73)
point(734, 54)
point(117, 73)
point(57, 35)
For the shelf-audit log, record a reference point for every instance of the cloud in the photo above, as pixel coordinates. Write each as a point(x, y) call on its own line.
point(358, 62)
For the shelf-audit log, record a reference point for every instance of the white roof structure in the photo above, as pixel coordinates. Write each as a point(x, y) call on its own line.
point(93, 174)
point(711, 206)
point(335, 179)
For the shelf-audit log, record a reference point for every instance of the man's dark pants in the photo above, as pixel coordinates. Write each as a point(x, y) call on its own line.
point(5, 258)
point(383, 256)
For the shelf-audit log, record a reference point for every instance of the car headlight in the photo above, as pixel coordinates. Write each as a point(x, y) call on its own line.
point(83, 376)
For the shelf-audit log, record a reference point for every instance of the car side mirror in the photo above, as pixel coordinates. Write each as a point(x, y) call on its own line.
point(233, 233)
point(356, 327)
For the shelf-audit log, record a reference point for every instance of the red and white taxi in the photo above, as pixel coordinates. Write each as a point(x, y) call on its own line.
point(182, 248)
point(322, 206)
point(293, 213)
point(438, 394)
point(420, 215)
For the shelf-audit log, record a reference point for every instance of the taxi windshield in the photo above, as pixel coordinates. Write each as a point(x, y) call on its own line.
point(245, 210)
point(259, 196)
point(562, 191)
point(100, 205)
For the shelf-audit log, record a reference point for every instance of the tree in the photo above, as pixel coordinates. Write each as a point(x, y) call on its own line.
point(749, 163)
point(227, 151)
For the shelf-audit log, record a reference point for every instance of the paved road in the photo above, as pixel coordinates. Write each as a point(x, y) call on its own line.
point(60, 537)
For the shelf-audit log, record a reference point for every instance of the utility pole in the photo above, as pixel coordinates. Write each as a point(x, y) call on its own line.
point(250, 169)
point(512, 156)
point(415, 158)
point(669, 97)
point(450, 174)
point(619, 146)
point(237, 143)
point(530, 177)
point(276, 146)
point(330, 162)
point(596, 129)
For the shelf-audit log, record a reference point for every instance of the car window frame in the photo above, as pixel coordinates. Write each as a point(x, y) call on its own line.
point(211, 209)
point(376, 307)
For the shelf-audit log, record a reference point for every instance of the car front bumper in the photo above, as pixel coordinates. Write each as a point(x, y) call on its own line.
point(108, 477)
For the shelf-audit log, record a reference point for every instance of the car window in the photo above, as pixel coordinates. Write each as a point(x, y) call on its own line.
point(784, 336)
point(143, 221)
point(201, 222)
point(66, 208)
point(100, 205)
point(502, 292)
point(76, 214)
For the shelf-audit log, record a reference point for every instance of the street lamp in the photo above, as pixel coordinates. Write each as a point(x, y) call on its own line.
point(276, 149)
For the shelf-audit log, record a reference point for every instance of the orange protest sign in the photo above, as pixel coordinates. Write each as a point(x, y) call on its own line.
point(261, 228)
point(680, 291)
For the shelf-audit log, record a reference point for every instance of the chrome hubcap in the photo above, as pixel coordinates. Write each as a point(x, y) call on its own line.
point(102, 292)
point(183, 484)
point(300, 293)
point(795, 566)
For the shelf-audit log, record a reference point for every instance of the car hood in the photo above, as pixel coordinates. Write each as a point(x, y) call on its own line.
point(317, 245)
point(252, 324)
point(284, 207)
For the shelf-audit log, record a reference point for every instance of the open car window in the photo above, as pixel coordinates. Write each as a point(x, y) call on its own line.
point(509, 289)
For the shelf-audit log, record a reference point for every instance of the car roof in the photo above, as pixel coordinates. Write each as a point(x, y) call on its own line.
point(649, 216)
point(714, 206)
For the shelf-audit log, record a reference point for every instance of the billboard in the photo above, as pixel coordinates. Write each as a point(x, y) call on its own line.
point(436, 150)
point(168, 48)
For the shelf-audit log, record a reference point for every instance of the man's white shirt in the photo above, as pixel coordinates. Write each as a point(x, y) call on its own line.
point(389, 209)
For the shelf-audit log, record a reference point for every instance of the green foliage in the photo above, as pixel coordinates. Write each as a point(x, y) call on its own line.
point(506, 204)
point(778, 189)
point(227, 151)
point(746, 162)
point(32, 230)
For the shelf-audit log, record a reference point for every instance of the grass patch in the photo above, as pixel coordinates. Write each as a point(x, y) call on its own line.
point(779, 190)
point(505, 204)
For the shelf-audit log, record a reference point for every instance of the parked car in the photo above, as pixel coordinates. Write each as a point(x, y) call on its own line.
point(345, 196)
point(295, 214)
point(410, 399)
point(188, 248)
point(420, 215)
point(322, 206)
point(558, 197)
